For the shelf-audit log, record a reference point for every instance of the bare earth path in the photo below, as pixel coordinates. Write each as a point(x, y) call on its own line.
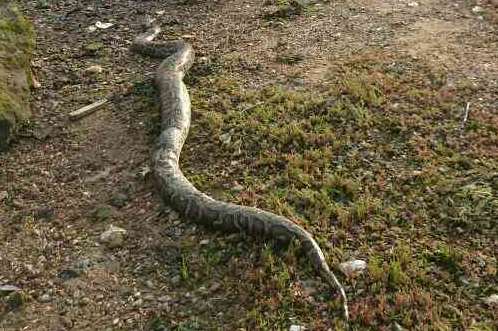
point(62, 184)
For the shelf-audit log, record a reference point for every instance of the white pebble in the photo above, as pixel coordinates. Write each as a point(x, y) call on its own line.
point(492, 300)
point(353, 267)
point(113, 237)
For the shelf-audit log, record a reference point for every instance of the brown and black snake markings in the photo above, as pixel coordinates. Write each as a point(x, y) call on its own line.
point(179, 193)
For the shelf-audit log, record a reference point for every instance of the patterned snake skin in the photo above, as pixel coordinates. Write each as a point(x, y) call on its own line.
point(179, 193)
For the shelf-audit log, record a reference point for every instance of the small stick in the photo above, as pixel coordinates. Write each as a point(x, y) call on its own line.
point(87, 110)
point(465, 116)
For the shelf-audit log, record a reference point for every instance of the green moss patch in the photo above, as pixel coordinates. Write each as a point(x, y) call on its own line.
point(16, 46)
point(374, 163)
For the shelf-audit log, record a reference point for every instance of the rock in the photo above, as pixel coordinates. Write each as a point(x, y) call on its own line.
point(138, 303)
point(119, 200)
point(113, 237)
point(67, 274)
point(16, 46)
point(101, 25)
point(237, 187)
point(176, 280)
point(93, 70)
point(214, 287)
point(309, 287)
point(397, 327)
point(45, 213)
point(492, 300)
point(297, 328)
point(353, 267)
point(84, 301)
point(7, 289)
point(226, 138)
point(75, 270)
point(45, 298)
point(477, 9)
point(204, 242)
point(412, 4)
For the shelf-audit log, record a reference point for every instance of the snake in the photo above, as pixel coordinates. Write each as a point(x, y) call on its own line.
point(175, 189)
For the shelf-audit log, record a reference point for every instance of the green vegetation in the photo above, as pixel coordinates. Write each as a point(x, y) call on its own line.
point(16, 46)
point(374, 163)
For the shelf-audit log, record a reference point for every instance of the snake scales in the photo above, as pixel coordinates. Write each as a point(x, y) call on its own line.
point(179, 193)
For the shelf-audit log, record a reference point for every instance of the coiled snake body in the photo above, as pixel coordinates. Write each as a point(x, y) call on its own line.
point(179, 193)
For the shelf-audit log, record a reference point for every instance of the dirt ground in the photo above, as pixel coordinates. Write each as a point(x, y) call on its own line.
point(63, 183)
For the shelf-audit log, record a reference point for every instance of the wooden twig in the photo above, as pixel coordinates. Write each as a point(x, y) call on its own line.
point(87, 110)
point(465, 117)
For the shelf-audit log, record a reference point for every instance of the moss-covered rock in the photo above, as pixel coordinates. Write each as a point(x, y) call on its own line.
point(16, 46)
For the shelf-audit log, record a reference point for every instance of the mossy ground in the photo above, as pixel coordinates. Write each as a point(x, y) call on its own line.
point(16, 47)
point(375, 163)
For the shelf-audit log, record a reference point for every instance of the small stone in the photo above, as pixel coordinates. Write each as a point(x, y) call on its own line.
point(492, 300)
point(216, 286)
point(175, 280)
point(149, 284)
point(83, 264)
point(45, 213)
point(397, 327)
point(164, 298)
point(7, 289)
point(101, 25)
point(84, 301)
point(353, 267)
point(138, 303)
point(75, 270)
point(95, 69)
point(226, 138)
point(297, 328)
point(204, 242)
point(67, 274)
point(113, 237)
point(45, 298)
point(412, 4)
point(464, 281)
point(237, 187)
point(477, 9)
point(309, 287)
